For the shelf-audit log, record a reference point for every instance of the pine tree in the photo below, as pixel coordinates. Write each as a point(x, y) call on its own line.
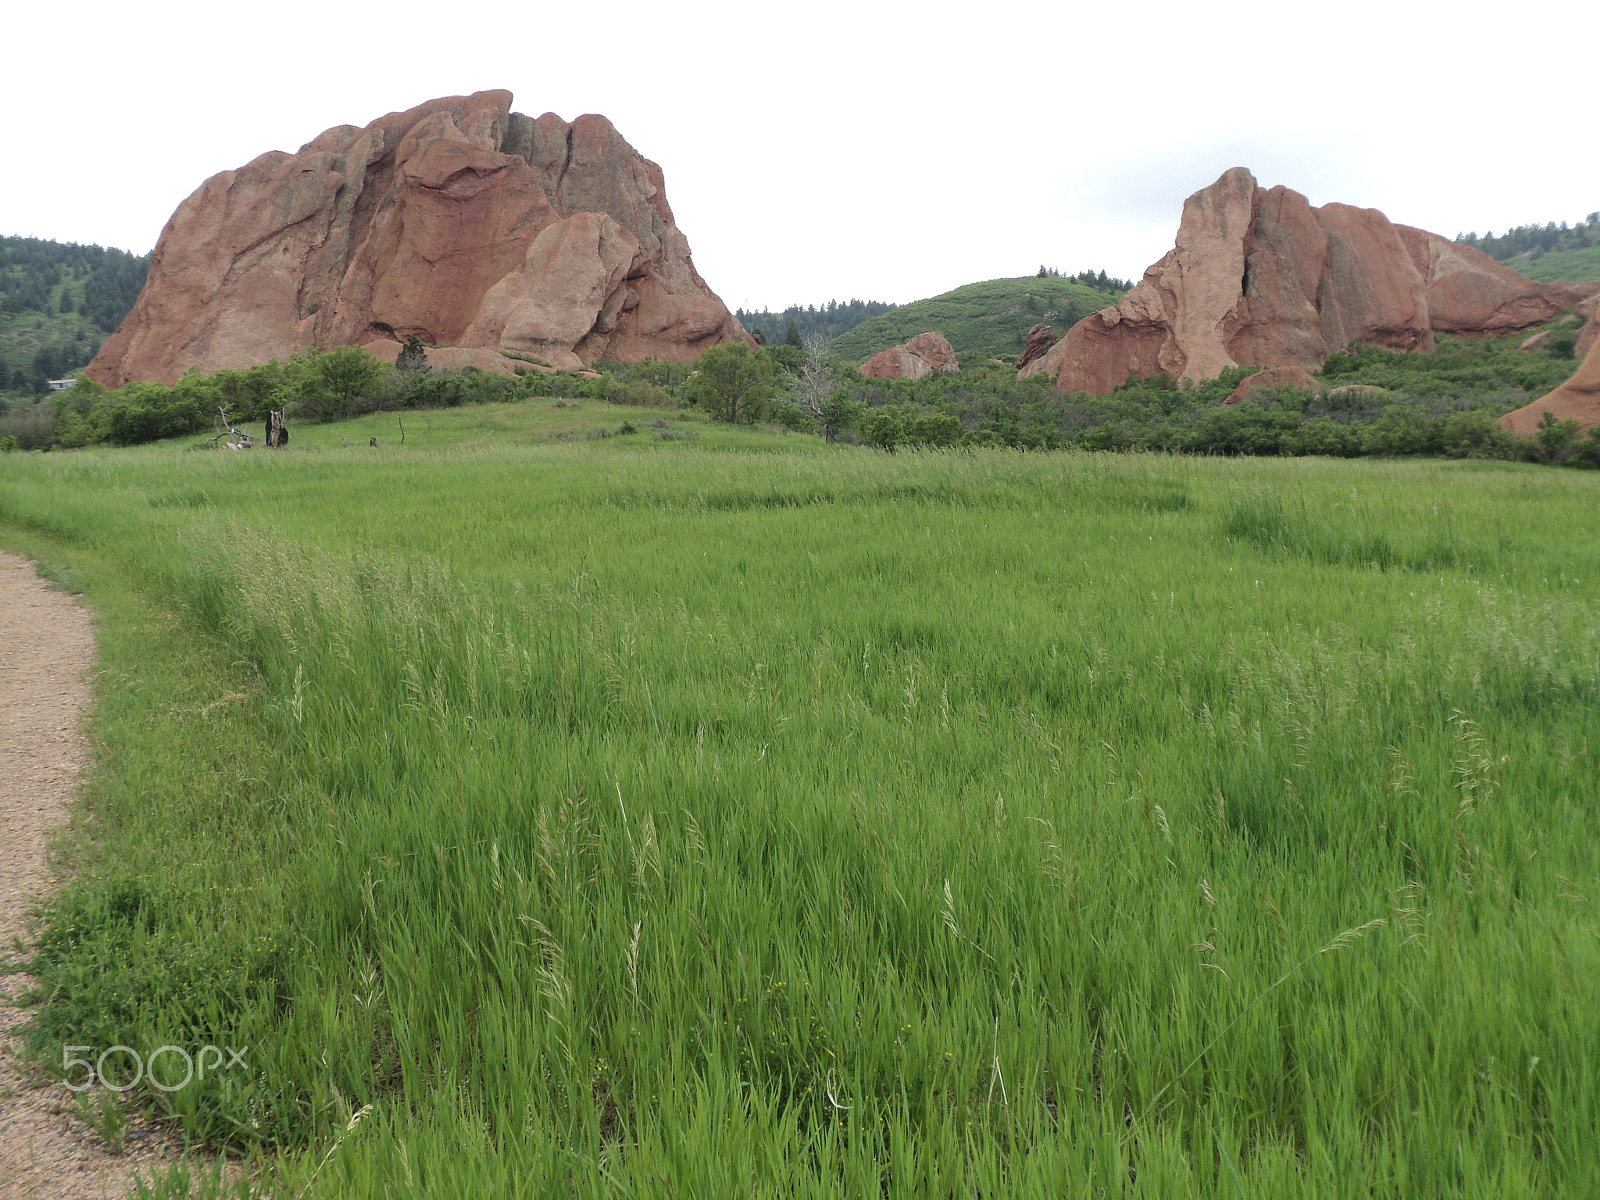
point(413, 357)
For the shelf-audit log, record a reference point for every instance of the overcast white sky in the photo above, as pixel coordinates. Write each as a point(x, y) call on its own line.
point(812, 151)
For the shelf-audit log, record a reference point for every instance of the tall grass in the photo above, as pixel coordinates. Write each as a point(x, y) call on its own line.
point(698, 822)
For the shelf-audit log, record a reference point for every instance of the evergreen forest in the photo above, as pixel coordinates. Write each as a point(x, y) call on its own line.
point(58, 302)
point(1549, 252)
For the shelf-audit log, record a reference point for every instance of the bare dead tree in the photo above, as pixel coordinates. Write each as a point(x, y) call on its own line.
point(813, 389)
point(238, 439)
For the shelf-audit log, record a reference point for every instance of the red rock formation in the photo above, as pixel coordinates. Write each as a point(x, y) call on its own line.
point(1260, 278)
point(459, 221)
point(1590, 333)
point(916, 359)
point(1040, 339)
point(1469, 292)
point(1269, 378)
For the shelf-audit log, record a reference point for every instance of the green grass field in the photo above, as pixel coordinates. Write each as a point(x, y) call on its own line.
point(737, 815)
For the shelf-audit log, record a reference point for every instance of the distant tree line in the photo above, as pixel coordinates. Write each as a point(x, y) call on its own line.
point(1536, 239)
point(1098, 280)
point(794, 324)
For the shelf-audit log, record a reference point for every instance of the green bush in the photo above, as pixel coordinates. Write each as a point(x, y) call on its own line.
point(889, 426)
point(935, 429)
point(733, 382)
point(1475, 434)
point(147, 412)
point(336, 381)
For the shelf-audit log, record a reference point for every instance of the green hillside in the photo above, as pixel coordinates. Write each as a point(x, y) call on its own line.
point(989, 319)
point(58, 301)
point(1559, 265)
point(1549, 252)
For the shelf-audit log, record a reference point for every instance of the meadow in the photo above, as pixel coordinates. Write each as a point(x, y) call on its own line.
point(555, 814)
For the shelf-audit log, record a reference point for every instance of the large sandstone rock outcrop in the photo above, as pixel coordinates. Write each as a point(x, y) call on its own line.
point(1260, 278)
point(916, 359)
point(1579, 397)
point(459, 221)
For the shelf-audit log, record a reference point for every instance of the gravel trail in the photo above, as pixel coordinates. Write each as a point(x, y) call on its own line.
point(47, 647)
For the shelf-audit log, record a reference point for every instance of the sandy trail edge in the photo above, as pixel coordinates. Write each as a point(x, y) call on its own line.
point(47, 646)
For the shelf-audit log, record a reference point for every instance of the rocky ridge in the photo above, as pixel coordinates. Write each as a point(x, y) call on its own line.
point(459, 222)
point(1260, 278)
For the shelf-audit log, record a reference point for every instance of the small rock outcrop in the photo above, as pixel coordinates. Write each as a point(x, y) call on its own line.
point(459, 222)
point(1260, 278)
point(916, 359)
point(1272, 377)
point(1040, 339)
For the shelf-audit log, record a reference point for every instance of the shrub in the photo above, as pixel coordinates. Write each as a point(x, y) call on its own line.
point(1587, 452)
point(147, 412)
point(1475, 434)
point(889, 426)
point(935, 429)
point(641, 394)
point(1555, 436)
point(334, 381)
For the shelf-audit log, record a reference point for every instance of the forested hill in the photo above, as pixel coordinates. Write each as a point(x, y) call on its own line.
point(58, 301)
point(1548, 252)
point(796, 323)
point(989, 319)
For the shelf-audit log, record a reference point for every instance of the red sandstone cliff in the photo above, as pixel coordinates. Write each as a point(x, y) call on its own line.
point(459, 221)
point(1260, 278)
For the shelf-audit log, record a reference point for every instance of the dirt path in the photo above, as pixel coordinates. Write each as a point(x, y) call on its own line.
point(46, 648)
